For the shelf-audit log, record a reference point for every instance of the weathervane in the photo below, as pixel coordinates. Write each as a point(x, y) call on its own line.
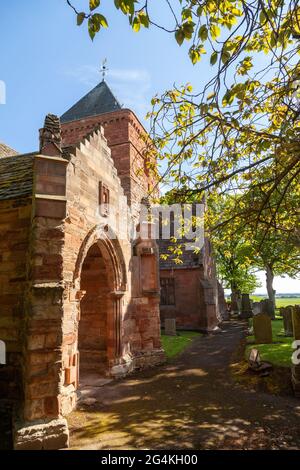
point(104, 69)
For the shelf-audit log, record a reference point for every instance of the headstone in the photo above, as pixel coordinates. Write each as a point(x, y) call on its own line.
point(246, 310)
point(263, 368)
point(281, 311)
point(256, 308)
point(287, 315)
point(170, 326)
point(267, 307)
point(262, 327)
point(254, 358)
point(222, 303)
point(235, 303)
point(296, 321)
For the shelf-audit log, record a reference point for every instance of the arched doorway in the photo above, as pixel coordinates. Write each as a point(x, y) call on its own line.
point(100, 283)
point(93, 325)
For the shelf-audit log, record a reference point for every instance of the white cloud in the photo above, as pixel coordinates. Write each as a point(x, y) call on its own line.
point(2, 92)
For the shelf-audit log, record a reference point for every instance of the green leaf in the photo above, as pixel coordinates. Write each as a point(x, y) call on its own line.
point(179, 36)
point(80, 18)
point(213, 58)
point(136, 24)
point(215, 31)
point(92, 33)
point(225, 56)
point(188, 29)
point(203, 33)
point(194, 56)
point(127, 6)
point(186, 14)
point(144, 19)
point(94, 4)
point(262, 17)
point(99, 20)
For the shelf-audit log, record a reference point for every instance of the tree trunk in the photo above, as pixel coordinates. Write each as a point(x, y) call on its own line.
point(269, 284)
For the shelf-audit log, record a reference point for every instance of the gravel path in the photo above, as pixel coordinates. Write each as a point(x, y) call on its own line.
point(191, 403)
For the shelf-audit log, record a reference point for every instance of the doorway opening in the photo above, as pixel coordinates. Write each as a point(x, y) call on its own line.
point(93, 325)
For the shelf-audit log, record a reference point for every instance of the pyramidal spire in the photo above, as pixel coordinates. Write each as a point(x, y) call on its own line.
point(100, 100)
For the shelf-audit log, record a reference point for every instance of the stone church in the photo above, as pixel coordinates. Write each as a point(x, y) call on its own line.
point(76, 295)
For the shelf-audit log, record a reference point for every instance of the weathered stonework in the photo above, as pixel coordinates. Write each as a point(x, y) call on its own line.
point(75, 293)
point(50, 435)
point(78, 293)
point(195, 305)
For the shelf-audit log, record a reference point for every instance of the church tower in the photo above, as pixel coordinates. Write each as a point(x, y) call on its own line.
point(123, 132)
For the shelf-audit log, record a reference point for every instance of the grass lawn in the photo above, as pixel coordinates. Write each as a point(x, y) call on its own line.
point(287, 301)
point(280, 302)
point(174, 345)
point(280, 351)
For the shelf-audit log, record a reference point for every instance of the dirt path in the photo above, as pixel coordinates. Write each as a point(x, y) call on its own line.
point(191, 403)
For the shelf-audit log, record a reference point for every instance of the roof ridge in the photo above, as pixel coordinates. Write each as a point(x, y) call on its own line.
point(99, 100)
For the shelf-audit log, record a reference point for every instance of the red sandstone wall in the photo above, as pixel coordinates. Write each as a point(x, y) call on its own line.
point(189, 309)
point(123, 133)
point(15, 218)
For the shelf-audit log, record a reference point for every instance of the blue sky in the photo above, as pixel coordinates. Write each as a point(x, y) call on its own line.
point(48, 63)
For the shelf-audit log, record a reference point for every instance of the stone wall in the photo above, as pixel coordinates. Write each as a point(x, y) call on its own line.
point(187, 309)
point(196, 305)
point(123, 132)
point(66, 225)
point(15, 220)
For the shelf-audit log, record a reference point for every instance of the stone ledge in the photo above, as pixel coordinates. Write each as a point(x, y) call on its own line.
point(140, 360)
point(51, 435)
point(145, 359)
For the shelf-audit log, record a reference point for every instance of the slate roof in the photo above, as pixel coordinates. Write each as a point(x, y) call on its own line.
point(100, 100)
point(16, 176)
point(6, 151)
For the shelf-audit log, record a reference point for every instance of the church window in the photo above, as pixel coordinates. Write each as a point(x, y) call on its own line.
point(167, 293)
point(104, 199)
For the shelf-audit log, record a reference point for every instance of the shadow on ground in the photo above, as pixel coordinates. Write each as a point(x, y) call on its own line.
point(191, 403)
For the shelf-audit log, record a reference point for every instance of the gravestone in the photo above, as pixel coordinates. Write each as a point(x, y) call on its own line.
point(222, 303)
point(257, 365)
point(296, 321)
point(287, 315)
point(296, 368)
point(256, 308)
point(236, 303)
point(281, 311)
point(246, 310)
point(170, 326)
point(262, 327)
point(254, 358)
point(267, 307)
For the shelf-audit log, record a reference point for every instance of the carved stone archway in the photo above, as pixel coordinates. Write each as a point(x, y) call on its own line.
point(112, 254)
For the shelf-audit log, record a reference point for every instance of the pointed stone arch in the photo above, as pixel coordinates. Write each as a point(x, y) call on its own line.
point(105, 238)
